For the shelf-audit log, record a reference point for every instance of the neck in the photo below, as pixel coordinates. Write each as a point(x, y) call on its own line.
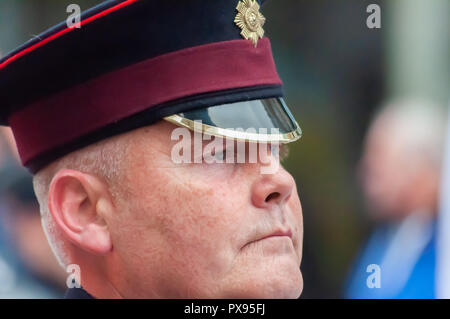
point(94, 277)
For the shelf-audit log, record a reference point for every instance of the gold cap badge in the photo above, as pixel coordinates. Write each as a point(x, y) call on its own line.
point(250, 20)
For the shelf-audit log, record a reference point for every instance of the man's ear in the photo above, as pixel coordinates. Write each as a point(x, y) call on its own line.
point(79, 203)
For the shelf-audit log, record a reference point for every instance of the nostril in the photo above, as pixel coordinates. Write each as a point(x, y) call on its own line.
point(273, 195)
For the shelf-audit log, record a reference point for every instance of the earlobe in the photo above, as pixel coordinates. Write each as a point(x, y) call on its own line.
point(78, 204)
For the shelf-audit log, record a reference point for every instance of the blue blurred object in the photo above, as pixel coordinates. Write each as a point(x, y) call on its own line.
point(406, 254)
point(17, 280)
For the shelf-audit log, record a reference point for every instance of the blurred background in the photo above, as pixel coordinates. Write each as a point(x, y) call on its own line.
point(372, 104)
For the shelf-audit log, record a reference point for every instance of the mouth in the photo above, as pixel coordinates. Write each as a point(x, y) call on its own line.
point(277, 233)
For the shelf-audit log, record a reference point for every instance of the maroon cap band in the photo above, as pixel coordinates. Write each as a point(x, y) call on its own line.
point(87, 107)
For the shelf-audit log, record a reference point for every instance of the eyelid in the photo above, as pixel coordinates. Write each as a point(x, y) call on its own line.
point(283, 151)
point(223, 151)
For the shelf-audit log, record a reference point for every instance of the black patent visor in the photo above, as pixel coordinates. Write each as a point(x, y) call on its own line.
point(264, 120)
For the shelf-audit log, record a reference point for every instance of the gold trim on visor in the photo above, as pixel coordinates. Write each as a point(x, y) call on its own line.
point(234, 134)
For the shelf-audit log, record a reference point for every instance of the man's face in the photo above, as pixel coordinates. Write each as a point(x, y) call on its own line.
point(388, 173)
point(196, 230)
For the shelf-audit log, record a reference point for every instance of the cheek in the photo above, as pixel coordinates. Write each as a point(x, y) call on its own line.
point(201, 220)
point(194, 223)
point(296, 222)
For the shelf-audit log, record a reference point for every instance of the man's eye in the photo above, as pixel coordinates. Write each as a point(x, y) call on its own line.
point(225, 156)
point(220, 156)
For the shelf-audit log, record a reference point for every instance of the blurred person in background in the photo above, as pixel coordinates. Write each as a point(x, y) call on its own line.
point(28, 268)
point(399, 173)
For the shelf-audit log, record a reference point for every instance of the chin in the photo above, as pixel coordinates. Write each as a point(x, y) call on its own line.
point(287, 288)
point(287, 285)
point(283, 280)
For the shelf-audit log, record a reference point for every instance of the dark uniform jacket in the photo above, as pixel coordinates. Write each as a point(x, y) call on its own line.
point(77, 293)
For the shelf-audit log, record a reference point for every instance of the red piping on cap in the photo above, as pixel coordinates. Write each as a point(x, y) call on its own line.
point(64, 31)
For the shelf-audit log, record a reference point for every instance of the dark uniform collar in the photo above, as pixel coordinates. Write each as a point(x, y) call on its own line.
point(77, 293)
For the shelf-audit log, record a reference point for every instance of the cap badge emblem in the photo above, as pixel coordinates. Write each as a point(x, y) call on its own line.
point(250, 20)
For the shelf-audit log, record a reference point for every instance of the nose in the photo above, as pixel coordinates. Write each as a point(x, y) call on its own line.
point(272, 189)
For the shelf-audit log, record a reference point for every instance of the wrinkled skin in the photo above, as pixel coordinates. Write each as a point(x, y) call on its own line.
point(196, 230)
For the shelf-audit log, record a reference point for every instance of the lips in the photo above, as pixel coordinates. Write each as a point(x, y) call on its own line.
point(276, 233)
